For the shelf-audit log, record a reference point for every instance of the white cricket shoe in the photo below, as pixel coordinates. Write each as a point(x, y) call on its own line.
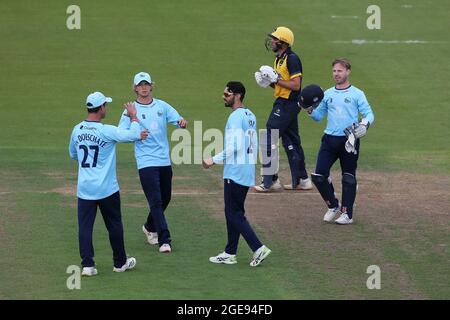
point(259, 256)
point(165, 248)
point(152, 237)
point(330, 214)
point(343, 219)
point(89, 271)
point(305, 184)
point(130, 264)
point(224, 258)
point(276, 186)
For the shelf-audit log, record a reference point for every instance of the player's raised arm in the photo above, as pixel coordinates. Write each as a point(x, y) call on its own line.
point(125, 120)
point(127, 135)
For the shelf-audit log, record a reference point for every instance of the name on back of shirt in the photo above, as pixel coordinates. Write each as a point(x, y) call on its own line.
point(91, 138)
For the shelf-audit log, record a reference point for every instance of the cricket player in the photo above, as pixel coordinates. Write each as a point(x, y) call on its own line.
point(152, 157)
point(285, 78)
point(93, 145)
point(239, 158)
point(342, 104)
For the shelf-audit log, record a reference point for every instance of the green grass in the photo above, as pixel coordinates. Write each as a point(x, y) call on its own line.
point(191, 49)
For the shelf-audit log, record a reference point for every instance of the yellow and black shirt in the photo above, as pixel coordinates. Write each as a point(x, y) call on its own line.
point(289, 66)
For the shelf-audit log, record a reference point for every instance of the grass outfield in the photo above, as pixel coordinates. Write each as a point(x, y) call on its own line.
point(191, 49)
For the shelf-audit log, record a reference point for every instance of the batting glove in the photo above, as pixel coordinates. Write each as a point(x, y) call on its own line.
point(269, 73)
point(262, 82)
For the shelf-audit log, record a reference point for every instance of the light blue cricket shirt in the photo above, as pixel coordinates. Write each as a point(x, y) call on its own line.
point(342, 107)
point(93, 144)
point(240, 148)
point(153, 151)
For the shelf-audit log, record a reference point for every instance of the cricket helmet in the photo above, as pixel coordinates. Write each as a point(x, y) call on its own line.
point(283, 34)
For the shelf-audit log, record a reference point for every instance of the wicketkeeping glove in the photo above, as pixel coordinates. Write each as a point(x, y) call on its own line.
point(358, 129)
point(269, 73)
point(350, 144)
point(262, 82)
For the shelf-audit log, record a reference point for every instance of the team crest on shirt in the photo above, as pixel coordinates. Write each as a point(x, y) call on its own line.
point(143, 116)
point(330, 100)
point(160, 113)
point(347, 100)
point(277, 113)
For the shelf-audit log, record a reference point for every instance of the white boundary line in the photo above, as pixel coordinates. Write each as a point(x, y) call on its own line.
point(344, 17)
point(363, 41)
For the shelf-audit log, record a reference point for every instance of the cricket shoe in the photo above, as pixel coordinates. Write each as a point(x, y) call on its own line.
point(165, 248)
point(305, 184)
point(89, 271)
point(330, 214)
point(259, 256)
point(224, 258)
point(152, 237)
point(130, 264)
point(275, 187)
point(343, 219)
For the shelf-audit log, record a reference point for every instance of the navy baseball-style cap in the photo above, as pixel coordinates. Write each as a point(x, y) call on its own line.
point(310, 96)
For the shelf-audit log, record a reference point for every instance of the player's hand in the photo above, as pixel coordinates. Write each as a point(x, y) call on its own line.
point(131, 109)
point(182, 123)
point(207, 163)
point(144, 134)
point(309, 110)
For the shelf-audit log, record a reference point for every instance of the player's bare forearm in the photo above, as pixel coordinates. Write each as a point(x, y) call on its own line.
point(293, 84)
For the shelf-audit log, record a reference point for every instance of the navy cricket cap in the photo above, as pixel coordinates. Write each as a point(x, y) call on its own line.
point(310, 96)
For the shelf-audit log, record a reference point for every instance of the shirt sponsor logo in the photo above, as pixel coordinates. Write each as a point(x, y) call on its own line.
point(88, 128)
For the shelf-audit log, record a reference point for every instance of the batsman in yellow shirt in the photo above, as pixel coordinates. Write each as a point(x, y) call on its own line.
point(285, 78)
